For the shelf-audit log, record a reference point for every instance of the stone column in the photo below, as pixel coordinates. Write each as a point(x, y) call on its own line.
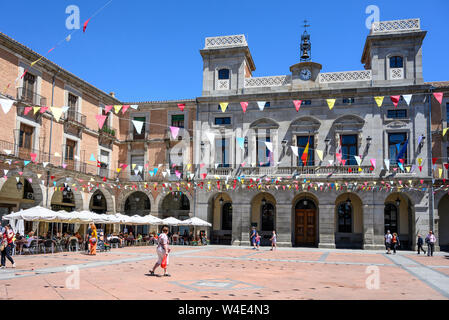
point(284, 225)
point(241, 213)
point(373, 227)
point(326, 226)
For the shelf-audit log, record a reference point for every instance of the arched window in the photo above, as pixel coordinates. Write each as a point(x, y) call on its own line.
point(267, 217)
point(226, 216)
point(391, 218)
point(223, 74)
point(396, 62)
point(345, 218)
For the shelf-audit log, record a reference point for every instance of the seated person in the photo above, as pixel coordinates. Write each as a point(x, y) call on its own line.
point(78, 236)
point(130, 239)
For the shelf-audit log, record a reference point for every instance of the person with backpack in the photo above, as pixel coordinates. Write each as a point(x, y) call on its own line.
point(7, 245)
point(162, 251)
point(420, 243)
point(388, 238)
point(395, 242)
point(430, 240)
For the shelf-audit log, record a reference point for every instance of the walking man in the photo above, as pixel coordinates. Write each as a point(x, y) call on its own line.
point(253, 237)
point(388, 238)
point(430, 240)
point(420, 244)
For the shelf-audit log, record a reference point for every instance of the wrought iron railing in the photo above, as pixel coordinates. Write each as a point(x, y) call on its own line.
point(30, 97)
point(76, 117)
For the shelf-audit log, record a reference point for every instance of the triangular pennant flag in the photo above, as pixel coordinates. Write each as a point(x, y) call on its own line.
point(27, 110)
point(373, 162)
point(164, 173)
point(241, 142)
point(68, 38)
point(440, 172)
point(44, 164)
point(36, 109)
point(57, 112)
point(419, 161)
point(33, 156)
point(138, 125)
point(261, 105)
point(331, 103)
point(33, 63)
point(100, 120)
point(269, 146)
point(125, 108)
point(358, 160)
point(181, 106)
point(395, 100)
point(57, 154)
point(387, 164)
point(92, 158)
point(6, 104)
point(134, 106)
point(438, 96)
point(331, 162)
point(407, 98)
point(117, 108)
point(5, 171)
point(319, 154)
point(434, 160)
point(174, 132)
point(8, 152)
point(211, 137)
point(244, 106)
point(379, 100)
point(224, 106)
point(39, 175)
point(444, 131)
point(295, 151)
point(133, 166)
point(25, 163)
point(297, 104)
point(85, 25)
point(43, 109)
point(108, 108)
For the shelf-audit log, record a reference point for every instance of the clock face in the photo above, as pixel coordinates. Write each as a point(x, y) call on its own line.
point(305, 74)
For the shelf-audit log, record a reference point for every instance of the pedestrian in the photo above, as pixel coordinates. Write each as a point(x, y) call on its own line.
point(253, 237)
point(430, 240)
point(388, 238)
point(162, 251)
point(93, 239)
point(395, 242)
point(257, 240)
point(420, 244)
point(7, 245)
point(273, 241)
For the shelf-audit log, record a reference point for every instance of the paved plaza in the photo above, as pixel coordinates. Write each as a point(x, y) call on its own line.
point(228, 273)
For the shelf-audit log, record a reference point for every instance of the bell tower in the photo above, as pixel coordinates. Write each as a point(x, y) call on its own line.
point(305, 73)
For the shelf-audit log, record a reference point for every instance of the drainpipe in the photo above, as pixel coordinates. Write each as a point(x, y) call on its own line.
point(429, 148)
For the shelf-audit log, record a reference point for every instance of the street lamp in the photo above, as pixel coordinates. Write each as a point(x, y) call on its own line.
point(98, 197)
point(348, 202)
point(19, 185)
point(221, 201)
point(264, 201)
point(305, 202)
point(398, 202)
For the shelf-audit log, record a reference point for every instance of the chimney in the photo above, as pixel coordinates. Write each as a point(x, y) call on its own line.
point(112, 94)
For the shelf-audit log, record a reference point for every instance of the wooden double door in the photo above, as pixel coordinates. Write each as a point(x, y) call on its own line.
point(305, 227)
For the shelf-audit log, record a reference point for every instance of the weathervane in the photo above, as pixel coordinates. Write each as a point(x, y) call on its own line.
point(306, 46)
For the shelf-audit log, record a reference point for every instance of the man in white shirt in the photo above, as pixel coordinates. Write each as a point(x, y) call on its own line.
point(388, 238)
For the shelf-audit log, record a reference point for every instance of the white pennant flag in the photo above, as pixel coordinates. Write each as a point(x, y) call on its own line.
point(45, 164)
point(407, 98)
point(6, 171)
point(6, 104)
point(138, 125)
point(140, 168)
point(211, 137)
point(261, 105)
point(136, 172)
point(216, 165)
point(295, 150)
point(387, 164)
point(8, 152)
point(134, 106)
point(358, 159)
point(269, 146)
point(331, 162)
point(65, 109)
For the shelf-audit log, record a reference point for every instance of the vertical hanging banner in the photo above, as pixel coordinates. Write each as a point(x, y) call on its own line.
point(297, 104)
point(395, 100)
point(244, 106)
point(331, 103)
point(224, 106)
point(261, 105)
point(379, 100)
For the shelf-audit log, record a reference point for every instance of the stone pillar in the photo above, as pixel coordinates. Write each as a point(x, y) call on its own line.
point(241, 213)
point(373, 227)
point(284, 225)
point(326, 226)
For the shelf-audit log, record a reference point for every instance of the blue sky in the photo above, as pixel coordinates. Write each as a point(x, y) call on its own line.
point(149, 50)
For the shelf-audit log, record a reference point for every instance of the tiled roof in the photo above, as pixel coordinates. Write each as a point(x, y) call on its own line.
point(162, 101)
point(439, 84)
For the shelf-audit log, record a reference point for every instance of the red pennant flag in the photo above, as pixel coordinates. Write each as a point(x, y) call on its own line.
point(100, 120)
point(297, 104)
point(434, 160)
point(27, 110)
point(23, 75)
point(43, 109)
point(85, 25)
point(401, 161)
point(438, 96)
point(181, 106)
point(125, 108)
point(107, 108)
point(446, 165)
point(33, 156)
point(395, 100)
point(203, 176)
point(104, 179)
point(244, 106)
point(420, 168)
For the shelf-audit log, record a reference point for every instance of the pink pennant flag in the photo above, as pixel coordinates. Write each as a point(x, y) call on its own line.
point(108, 108)
point(338, 156)
point(33, 156)
point(181, 106)
point(244, 106)
point(174, 132)
point(343, 161)
point(438, 96)
point(43, 109)
point(202, 165)
point(373, 162)
point(395, 100)
point(125, 108)
point(64, 165)
point(20, 172)
point(178, 174)
point(203, 176)
point(297, 104)
point(100, 120)
point(85, 25)
point(27, 110)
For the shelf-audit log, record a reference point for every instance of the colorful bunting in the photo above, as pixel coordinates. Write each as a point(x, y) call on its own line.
point(331, 103)
point(297, 104)
point(395, 100)
point(244, 106)
point(224, 106)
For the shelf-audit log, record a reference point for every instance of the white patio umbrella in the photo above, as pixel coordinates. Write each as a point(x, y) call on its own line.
point(152, 220)
point(33, 214)
point(197, 222)
point(171, 221)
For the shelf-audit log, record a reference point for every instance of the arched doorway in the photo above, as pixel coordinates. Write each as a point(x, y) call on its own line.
point(263, 216)
point(177, 205)
point(443, 224)
point(63, 199)
point(348, 221)
point(137, 203)
point(221, 213)
point(306, 225)
point(398, 218)
point(98, 203)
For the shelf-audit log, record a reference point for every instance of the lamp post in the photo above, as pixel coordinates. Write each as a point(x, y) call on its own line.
point(19, 185)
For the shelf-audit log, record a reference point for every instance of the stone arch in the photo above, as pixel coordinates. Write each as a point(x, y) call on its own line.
point(304, 238)
point(443, 222)
point(78, 198)
point(256, 210)
point(344, 238)
point(161, 196)
point(108, 197)
point(37, 190)
point(126, 193)
point(215, 216)
point(264, 123)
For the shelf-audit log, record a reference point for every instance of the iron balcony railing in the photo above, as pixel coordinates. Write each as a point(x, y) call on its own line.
point(76, 117)
point(30, 97)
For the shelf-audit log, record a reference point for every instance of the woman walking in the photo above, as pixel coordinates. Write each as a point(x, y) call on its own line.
point(93, 239)
point(162, 251)
point(395, 242)
point(7, 245)
point(273, 241)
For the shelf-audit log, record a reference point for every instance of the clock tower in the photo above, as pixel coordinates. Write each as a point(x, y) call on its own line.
point(305, 73)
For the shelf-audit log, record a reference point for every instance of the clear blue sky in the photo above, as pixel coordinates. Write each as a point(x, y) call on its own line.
point(149, 50)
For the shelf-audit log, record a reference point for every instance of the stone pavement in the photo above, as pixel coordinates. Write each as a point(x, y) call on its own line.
point(228, 273)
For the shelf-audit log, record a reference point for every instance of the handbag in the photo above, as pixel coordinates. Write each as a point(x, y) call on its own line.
point(3, 245)
point(93, 240)
point(164, 262)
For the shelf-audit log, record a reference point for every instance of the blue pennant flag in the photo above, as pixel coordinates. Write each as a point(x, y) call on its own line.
point(402, 152)
point(155, 171)
point(26, 163)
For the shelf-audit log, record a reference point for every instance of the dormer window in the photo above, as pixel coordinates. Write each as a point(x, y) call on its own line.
point(223, 81)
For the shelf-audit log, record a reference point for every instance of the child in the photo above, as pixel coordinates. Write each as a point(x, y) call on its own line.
point(273, 241)
point(257, 240)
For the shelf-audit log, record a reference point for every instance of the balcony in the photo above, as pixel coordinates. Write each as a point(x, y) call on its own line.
point(306, 171)
point(30, 98)
point(106, 136)
point(134, 136)
point(220, 171)
point(75, 118)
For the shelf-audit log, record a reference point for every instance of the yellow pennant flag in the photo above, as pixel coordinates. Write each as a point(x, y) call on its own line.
point(57, 112)
point(379, 101)
point(408, 168)
point(419, 161)
point(36, 109)
point(117, 108)
point(360, 169)
point(224, 106)
point(444, 131)
point(32, 64)
point(119, 169)
point(188, 166)
point(331, 103)
point(440, 172)
point(133, 166)
point(320, 154)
